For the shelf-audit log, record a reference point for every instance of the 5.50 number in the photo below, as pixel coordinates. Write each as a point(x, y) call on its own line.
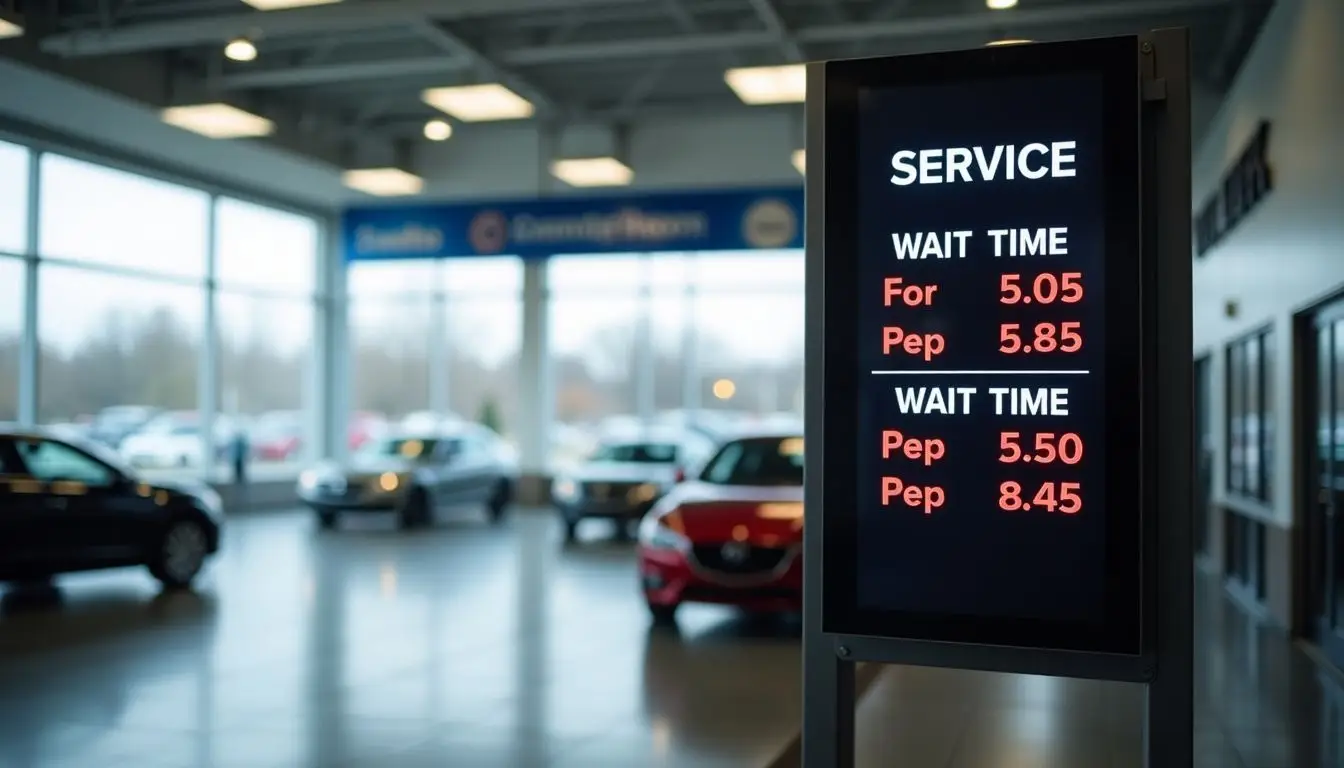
point(1046, 288)
point(1050, 447)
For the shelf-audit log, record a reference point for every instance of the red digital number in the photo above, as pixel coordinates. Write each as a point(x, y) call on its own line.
point(1046, 338)
point(1063, 498)
point(1046, 288)
point(1050, 447)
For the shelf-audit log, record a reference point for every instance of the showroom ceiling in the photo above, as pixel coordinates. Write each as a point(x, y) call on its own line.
point(357, 71)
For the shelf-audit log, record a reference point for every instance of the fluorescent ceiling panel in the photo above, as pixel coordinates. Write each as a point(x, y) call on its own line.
point(218, 121)
point(383, 182)
point(593, 172)
point(800, 160)
point(479, 103)
point(1000, 5)
point(280, 5)
point(1009, 41)
point(10, 28)
point(769, 85)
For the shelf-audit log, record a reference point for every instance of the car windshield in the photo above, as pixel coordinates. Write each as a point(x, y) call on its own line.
point(637, 453)
point(774, 461)
point(410, 448)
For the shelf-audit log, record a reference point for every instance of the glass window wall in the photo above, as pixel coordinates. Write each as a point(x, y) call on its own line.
point(11, 330)
point(14, 162)
point(266, 268)
point(712, 341)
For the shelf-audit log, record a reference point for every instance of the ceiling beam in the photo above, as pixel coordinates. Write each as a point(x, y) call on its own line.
point(769, 15)
point(1019, 21)
point(307, 21)
point(453, 43)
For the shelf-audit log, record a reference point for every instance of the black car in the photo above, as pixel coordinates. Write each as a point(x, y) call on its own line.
point(69, 505)
point(624, 477)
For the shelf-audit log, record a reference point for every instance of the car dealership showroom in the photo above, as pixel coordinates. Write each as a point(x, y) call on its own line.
point(406, 383)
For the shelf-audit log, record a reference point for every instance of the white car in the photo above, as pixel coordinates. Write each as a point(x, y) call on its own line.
point(164, 443)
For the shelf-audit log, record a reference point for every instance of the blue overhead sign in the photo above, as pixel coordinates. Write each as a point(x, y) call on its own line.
point(709, 221)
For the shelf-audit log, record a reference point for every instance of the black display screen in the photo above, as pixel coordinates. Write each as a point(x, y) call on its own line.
point(982, 323)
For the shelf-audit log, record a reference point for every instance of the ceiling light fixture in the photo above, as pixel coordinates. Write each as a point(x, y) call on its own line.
point(383, 182)
point(438, 130)
point(241, 49)
point(1009, 41)
point(800, 160)
point(478, 103)
point(1000, 5)
point(593, 172)
point(11, 25)
point(218, 121)
point(281, 5)
point(769, 85)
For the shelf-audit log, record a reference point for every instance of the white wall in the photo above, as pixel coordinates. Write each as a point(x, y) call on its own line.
point(1289, 253)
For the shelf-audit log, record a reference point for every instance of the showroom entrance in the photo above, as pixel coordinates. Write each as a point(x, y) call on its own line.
point(1324, 478)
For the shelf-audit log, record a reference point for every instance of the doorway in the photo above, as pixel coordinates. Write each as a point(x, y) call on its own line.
point(1204, 445)
point(1325, 478)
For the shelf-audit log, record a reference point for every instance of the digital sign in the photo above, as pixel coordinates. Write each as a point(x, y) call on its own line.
point(983, 473)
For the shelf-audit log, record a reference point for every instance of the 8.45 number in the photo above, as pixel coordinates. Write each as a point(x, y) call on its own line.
point(1052, 497)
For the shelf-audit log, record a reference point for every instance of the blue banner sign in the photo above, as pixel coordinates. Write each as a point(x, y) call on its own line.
point(710, 221)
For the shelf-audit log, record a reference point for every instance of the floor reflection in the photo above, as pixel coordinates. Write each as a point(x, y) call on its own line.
point(462, 645)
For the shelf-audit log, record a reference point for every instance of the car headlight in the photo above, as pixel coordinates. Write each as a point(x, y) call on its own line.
point(663, 532)
point(642, 493)
point(565, 489)
point(389, 482)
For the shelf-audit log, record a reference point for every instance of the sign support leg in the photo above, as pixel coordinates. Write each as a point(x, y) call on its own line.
point(1169, 705)
point(828, 706)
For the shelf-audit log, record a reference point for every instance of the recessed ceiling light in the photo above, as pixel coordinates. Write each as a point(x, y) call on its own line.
point(438, 130)
point(280, 5)
point(383, 182)
point(593, 172)
point(1009, 41)
point(1000, 5)
point(10, 26)
point(800, 160)
point(479, 103)
point(769, 85)
point(241, 50)
point(218, 121)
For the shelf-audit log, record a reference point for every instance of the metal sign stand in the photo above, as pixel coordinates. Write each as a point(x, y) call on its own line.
point(829, 660)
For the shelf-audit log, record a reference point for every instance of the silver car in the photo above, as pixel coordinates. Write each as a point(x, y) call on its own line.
point(412, 474)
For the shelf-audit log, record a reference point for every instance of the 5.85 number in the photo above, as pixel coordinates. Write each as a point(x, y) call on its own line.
point(1052, 497)
point(1048, 337)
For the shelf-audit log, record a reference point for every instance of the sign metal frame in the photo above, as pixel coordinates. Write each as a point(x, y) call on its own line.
point(1165, 666)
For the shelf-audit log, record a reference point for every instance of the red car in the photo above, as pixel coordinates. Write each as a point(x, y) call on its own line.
point(732, 535)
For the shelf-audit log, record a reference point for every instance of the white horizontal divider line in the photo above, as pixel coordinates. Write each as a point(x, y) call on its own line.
point(980, 373)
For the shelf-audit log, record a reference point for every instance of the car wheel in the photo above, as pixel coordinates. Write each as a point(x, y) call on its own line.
point(326, 519)
point(181, 554)
point(663, 614)
point(499, 501)
point(417, 511)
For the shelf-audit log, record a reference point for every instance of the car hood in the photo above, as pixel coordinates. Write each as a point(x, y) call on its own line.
point(623, 472)
point(767, 516)
point(194, 489)
point(373, 465)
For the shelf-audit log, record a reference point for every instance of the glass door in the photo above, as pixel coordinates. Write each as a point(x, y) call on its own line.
point(1203, 455)
point(1326, 520)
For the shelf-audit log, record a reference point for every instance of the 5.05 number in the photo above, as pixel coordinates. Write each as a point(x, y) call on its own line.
point(1046, 288)
point(1048, 337)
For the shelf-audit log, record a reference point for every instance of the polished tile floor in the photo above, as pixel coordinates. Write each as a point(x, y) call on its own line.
point(1260, 702)
point(458, 646)
point(477, 647)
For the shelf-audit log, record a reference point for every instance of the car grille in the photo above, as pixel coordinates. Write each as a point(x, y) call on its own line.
point(742, 561)
point(608, 491)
